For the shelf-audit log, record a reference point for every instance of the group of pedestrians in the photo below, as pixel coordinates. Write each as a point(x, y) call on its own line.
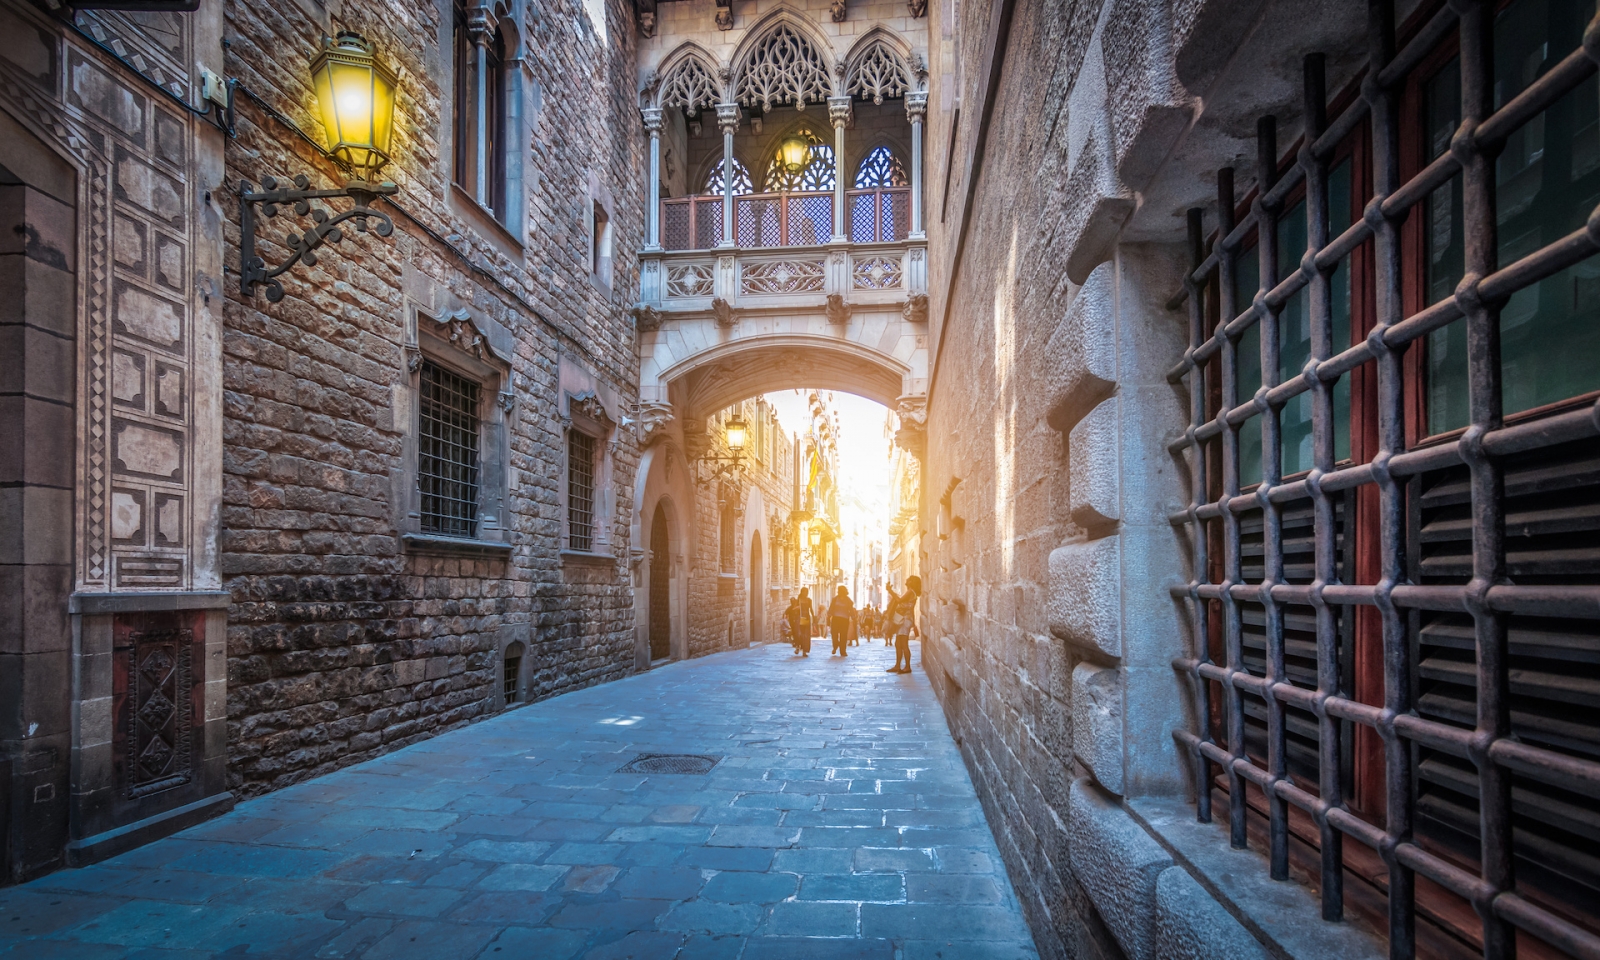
point(845, 623)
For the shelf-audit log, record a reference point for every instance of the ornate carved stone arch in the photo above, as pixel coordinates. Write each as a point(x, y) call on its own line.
point(689, 80)
point(782, 61)
point(879, 67)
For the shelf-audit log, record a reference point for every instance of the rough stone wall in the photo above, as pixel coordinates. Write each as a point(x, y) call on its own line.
point(341, 643)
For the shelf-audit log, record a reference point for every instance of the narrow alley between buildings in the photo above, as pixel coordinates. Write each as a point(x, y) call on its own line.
point(837, 821)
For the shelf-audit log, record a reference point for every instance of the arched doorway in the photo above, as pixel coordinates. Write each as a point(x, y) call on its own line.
point(660, 586)
point(758, 590)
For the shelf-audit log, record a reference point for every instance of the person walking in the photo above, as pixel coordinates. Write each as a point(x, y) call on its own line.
point(840, 613)
point(784, 625)
point(902, 613)
point(800, 621)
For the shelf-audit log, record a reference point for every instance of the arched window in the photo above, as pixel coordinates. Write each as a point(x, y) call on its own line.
point(741, 179)
point(480, 127)
point(818, 174)
point(880, 169)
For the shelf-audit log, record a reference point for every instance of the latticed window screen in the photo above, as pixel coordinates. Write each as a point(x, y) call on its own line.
point(716, 184)
point(817, 175)
point(1394, 453)
point(447, 452)
point(580, 490)
point(881, 168)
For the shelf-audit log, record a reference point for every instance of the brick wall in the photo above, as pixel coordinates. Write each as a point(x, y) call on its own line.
point(341, 643)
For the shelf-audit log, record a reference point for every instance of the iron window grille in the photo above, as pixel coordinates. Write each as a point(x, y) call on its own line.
point(1395, 634)
point(513, 672)
point(580, 491)
point(447, 442)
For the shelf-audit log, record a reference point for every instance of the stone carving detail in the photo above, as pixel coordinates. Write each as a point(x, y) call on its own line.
point(918, 8)
point(880, 73)
point(690, 85)
point(690, 280)
point(916, 308)
point(877, 273)
point(647, 18)
point(154, 747)
point(724, 312)
point(589, 405)
point(413, 358)
point(782, 68)
point(838, 310)
point(782, 276)
point(724, 14)
point(646, 318)
point(837, 10)
point(913, 433)
point(654, 418)
point(458, 329)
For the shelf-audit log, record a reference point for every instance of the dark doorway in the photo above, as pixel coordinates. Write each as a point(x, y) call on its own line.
point(660, 586)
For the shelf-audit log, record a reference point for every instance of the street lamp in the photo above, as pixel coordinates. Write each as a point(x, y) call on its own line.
point(356, 96)
point(816, 537)
point(795, 153)
point(736, 432)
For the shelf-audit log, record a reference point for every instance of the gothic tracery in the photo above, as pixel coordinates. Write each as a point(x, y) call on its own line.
point(691, 85)
point(782, 68)
point(879, 74)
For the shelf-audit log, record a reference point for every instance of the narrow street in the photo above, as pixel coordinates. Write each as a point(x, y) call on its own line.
point(838, 822)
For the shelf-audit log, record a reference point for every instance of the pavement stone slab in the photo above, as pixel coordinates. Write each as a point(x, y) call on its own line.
point(839, 822)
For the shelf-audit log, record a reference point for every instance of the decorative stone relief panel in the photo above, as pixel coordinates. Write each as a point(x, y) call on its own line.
point(136, 307)
point(153, 703)
point(782, 276)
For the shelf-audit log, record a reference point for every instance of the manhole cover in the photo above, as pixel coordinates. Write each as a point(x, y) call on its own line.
point(669, 763)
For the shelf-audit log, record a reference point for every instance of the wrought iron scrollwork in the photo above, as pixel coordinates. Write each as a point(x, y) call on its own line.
point(302, 245)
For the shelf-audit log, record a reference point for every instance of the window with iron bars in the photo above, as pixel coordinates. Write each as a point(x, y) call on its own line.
point(580, 491)
point(447, 452)
point(1395, 462)
point(513, 673)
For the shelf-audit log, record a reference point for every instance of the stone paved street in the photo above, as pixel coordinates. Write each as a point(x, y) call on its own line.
point(839, 822)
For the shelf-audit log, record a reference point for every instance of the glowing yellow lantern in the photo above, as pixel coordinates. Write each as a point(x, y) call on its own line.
point(794, 153)
point(356, 96)
point(737, 432)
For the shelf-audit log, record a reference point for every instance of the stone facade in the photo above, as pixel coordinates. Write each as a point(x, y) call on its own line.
point(218, 579)
point(1056, 241)
point(349, 634)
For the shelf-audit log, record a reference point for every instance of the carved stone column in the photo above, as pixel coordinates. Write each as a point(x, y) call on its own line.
point(839, 113)
point(916, 112)
point(652, 125)
point(481, 25)
point(728, 122)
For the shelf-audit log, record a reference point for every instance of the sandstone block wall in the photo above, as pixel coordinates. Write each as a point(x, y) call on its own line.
point(343, 642)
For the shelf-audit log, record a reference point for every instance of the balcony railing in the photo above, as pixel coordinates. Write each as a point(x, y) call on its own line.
point(785, 219)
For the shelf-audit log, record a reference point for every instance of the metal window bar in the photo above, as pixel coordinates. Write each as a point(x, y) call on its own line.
point(580, 490)
point(447, 462)
point(513, 671)
point(1488, 598)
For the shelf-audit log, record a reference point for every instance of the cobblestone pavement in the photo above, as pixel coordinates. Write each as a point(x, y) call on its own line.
point(839, 822)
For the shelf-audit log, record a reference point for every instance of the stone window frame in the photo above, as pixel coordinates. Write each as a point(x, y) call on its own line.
point(600, 228)
point(505, 224)
point(586, 414)
point(456, 342)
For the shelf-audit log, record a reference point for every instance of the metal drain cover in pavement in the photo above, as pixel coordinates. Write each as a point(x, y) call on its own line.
point(670, 763)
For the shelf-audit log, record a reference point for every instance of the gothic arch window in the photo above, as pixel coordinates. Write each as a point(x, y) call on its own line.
point(690, 84)
point(879, 74)
point(881, 168)
point(818, 174)
point(741, 179)
point(479, 165)
point(782, 68)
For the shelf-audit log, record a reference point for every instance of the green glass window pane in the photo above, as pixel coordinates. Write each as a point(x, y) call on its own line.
point(1340, 216)
point(1443, 252)
point(1246, 281)
point(1547, 180)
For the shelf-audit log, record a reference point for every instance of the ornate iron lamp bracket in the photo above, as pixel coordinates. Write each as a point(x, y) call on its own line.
point(303, 246)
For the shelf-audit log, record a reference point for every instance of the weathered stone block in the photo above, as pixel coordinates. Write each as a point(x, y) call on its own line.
point(1081, 356)
point(1095, 466)
point(1086, 594)
point(1117, 864)
point(1191, 925)
point(1097, 723)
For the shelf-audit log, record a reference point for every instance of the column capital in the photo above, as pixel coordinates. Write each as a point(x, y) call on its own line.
point(481, 24)
point(839, 110)
point(652, 120)
point(728, 117)
point(917, 106)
